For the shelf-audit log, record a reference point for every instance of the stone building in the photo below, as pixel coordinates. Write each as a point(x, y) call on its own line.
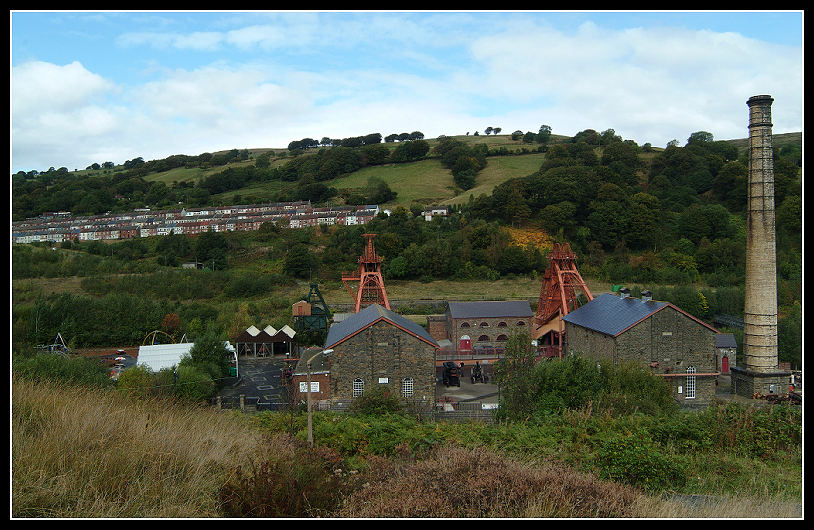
point(485, 324)
point(726, 350)
point(671, 343)
point(377, 347)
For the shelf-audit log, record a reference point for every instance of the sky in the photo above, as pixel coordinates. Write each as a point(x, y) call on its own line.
point(113, 86)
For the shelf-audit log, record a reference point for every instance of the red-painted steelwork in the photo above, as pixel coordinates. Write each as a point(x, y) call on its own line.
point(560, 288)
point(368, 279)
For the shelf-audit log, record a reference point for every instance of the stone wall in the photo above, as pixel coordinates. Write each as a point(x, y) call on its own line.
point(497, 330)
point(383, 355)
point(671, 339)
point(747, 383)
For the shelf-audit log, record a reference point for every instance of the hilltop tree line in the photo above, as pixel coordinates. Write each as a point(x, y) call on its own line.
point(353, 141)
point(121, 188)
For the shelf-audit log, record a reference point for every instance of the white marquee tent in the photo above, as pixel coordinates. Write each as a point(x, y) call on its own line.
point(160, 356)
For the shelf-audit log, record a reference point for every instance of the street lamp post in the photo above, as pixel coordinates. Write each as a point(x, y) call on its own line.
point(326, 353)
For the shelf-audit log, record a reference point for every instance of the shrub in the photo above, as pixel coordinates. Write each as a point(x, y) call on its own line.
point(194, 384)
point(210, 355)
point(757, 432)
point(136, 381)
point(636, 460)
point(48, 366)
point(377, 400)
point(304, 485)
point(629, 388)
point(457, 482)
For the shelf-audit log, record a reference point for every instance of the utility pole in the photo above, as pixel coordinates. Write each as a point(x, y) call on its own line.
point(326, 353)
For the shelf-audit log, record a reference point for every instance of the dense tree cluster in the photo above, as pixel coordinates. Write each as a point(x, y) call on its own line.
point(110, 188)
point(463, 160)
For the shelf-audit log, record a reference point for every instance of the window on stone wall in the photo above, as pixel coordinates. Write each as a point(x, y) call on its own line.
point(690, 394)
point(502, 338)
point(465, 325)
point(521, 323)
point(502, 324)
point(407, 387)
point(358, 387)
point(484, 324)
point(483, 338)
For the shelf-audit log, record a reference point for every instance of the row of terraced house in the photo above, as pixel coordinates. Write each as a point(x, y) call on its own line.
point(57, 227)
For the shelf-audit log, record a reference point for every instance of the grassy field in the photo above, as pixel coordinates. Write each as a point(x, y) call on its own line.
point(427, 182)
point(424, 182)
point(499, 169)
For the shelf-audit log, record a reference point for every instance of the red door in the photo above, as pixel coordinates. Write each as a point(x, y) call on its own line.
point(725, 365)
point(466, 343)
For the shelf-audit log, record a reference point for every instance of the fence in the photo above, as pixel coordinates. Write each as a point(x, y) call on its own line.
point(444, 410)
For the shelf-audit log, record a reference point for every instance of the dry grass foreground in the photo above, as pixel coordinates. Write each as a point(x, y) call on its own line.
point(77, 453)
point(81, 453)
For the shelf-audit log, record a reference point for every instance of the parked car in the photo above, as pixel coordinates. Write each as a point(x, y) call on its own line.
point(452, 374)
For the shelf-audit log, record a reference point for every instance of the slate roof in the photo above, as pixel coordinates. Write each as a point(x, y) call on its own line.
point(490, 309)
point(611, 314)
point(725, 340)
point(369, 316)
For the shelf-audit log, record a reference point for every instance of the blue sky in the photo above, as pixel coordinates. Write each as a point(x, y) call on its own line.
point(111, 86)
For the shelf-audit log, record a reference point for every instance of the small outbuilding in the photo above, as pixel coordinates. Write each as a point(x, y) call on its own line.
point(254, 342)
point(726, 351)
point(320, 377)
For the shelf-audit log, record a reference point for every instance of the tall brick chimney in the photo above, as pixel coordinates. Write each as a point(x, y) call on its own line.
point(760, 373)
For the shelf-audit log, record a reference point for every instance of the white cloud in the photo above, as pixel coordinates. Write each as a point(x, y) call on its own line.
point(650, 85)
point(631, 80)
point(39, 85)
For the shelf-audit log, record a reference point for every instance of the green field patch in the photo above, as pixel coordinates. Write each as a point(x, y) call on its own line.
point(425, 181)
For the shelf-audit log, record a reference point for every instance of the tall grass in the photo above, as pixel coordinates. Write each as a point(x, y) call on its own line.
point(82, 452)
point(77, 453)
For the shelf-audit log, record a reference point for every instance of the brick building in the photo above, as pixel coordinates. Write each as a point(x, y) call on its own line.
point(658, 335)
point(376, 347)
point(320, 378)
point(485, 324)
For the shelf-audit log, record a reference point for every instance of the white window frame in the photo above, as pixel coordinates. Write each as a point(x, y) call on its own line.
point(407, 387)
point(690, 393)
point(358, 387)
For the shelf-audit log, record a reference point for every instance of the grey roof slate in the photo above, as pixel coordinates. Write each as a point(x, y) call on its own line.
point(611, 314)
point(725, 340)
point(367, 316)
point(512, 308)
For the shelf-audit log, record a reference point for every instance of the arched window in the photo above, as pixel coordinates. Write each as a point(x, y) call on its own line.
point(483, 338)
point(502, 338)
point(502, 324)
point(358, 387)
point(690, 391)
point(484, 324)
point(521, 323)
point(407, 387)
point(465, 325)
